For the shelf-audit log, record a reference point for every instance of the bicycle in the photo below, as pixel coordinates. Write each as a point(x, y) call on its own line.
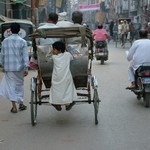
point(116, 38)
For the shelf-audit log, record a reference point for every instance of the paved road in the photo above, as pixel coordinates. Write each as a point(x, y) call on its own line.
point(124, 123)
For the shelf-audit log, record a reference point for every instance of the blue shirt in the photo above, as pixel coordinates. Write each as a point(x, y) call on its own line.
point(14, 54)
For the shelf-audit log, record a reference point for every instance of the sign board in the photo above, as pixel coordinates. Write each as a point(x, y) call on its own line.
point(100, 17)
point(58, 3)
point(42, 2)
point(90, 7)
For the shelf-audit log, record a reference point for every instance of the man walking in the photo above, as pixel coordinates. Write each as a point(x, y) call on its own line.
point(14, 60)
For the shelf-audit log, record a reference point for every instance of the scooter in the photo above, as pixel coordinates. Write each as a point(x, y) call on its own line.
point(101, 51)
point(142, 79)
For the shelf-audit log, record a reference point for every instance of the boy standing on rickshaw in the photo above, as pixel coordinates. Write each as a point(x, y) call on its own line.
point(62, 91)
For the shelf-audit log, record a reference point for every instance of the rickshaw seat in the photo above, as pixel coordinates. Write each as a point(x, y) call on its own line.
point(79, 66)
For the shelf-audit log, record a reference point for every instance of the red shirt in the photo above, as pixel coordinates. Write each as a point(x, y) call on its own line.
point(100, 35)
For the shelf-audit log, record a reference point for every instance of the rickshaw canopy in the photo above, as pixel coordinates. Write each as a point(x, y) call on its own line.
point(64, 32)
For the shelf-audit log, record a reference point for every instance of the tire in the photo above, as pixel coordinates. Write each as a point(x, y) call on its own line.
point(33, 104)
point(138, 96)
point(96, 105)
point(102, 61)
point(146, 99)
point(116, 43)
point(116, 39)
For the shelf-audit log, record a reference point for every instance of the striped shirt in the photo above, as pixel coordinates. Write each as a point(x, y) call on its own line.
point(14, 54)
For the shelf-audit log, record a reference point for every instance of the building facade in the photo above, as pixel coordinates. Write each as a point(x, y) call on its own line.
point(137, 10)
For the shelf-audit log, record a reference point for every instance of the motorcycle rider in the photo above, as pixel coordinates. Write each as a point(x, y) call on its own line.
point(100, 34)
point(138, 54)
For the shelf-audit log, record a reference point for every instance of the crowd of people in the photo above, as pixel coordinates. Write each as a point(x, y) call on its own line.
point(125, 29)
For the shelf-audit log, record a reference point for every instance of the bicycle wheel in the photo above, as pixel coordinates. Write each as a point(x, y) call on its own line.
point(96, 105)
point(33, 103)
point(116, 40)
point(146, 99)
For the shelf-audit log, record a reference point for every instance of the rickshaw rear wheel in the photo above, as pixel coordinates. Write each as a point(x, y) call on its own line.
point(96, 105)
point(146, 100)
point(33, 103)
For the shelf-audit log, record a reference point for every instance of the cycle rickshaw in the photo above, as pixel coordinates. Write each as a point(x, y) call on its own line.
point(26, 28)
point(86, 84)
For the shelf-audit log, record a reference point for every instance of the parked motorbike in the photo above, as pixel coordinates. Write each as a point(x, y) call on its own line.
point(101, 51)
point(142, 79)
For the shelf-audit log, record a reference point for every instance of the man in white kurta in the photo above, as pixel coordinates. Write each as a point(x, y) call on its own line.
point(50, 24)
point(139, 53)
point(62, 90)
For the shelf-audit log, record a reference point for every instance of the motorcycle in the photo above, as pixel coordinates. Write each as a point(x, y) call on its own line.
point(101, 51)
point(142, 80)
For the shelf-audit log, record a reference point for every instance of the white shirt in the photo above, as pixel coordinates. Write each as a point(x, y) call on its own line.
point(64, 24)
point(62, 90)
point(47, 41)
point(139, 52)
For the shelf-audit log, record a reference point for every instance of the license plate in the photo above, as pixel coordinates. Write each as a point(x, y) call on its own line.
point(146, 80)
point(101, 54)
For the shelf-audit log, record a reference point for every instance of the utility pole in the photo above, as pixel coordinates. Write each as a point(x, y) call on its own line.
point(6, 8)
point(129, 8)
point(34, 11)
